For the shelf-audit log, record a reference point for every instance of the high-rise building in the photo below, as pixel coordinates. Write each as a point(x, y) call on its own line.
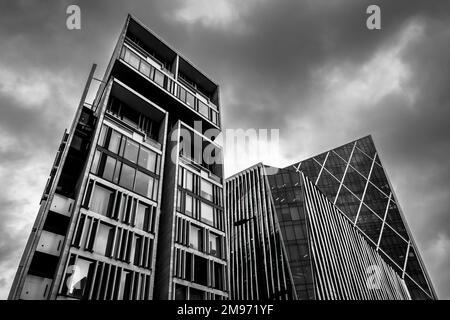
point(329, 227)
point(133, 209)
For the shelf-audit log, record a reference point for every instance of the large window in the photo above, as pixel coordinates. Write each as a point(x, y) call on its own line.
point(102, 199)
point(131, 150)
point(114, 141)
point(206, 190)
point(148, 159)
point(104, 239)
point(124, 285)
point(127, 176)
point(78, 278)
point(200, 270)
point(203, 109)
point(144, 184)
point(196, 238)
point(142, 216)
point(108, 171)
point(207, 213)
point(131, 58)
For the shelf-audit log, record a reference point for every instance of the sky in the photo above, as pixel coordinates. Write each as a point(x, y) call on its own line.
point(309, 68)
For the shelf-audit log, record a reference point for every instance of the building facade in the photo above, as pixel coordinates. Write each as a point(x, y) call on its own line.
point(335, 212)
point(130, 199)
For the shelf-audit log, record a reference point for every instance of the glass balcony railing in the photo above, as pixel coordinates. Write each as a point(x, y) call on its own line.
point(165, 80)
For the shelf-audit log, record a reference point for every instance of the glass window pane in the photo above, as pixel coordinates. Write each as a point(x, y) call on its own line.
point(207, 213)
point(101, 199)
point(103, 239)
point(206, 190)
point(108, 171)
point(142, 216)
point(188, 205)
point(188, 181)
point(180, 292)
point(127, 177)
point(295, 215)
point(190, 99)
point(195, 238)
point(131, 150)
point(95, 162)
point(182, 93)
point(147, 159)
point(132, 58)
point(203, 109)
point(144, 68)
point(101, 138)
point(144, 184)
point(79, 278)
point(159, 77)
point(124, 285)
point(114, 141)
point(214, 244)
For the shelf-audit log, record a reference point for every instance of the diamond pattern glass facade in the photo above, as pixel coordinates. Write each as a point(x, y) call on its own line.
point(353, 177)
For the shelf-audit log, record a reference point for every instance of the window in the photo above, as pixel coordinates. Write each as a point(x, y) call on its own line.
point(206, 190)
point(190, 99)
point(136, 253)
point(196, 238)
point(104, 239)
point(131, 150)
point(124, 285)
point(142, 217)
point(188, 208)
point(214, 117)
point(127, 176)
point(214, 245)
point(144, 184)
point(188, 181)
point(95, 162)
point(114, 141)
point(144, 68)
point(148, 159)
point(179, 195)
point(295, 215)
point(207, 213)
point(108, 171)
point(180, 292)
point(159, 77)
point(218, 276)
point(203, 109)
point(290, 233)
point(131, 58)
point(182, 94)
point(101, 138)
point(102, 199)
point(79, 278)
point(200, 270)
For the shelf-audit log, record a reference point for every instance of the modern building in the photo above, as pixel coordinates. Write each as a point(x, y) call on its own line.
point(131, 209)
point(329, 227)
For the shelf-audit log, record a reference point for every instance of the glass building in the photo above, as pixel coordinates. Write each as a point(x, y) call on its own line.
point(327, 208)
point(132, 209)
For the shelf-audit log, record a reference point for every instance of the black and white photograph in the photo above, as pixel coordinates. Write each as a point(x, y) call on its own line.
point(251, 152)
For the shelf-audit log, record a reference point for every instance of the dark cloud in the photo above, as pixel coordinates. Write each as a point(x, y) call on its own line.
point(300, 66)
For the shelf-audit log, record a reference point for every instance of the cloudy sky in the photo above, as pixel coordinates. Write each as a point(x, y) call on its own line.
point(308, 67)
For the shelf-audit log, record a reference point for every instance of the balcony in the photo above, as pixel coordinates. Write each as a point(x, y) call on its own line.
point(157, 73)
